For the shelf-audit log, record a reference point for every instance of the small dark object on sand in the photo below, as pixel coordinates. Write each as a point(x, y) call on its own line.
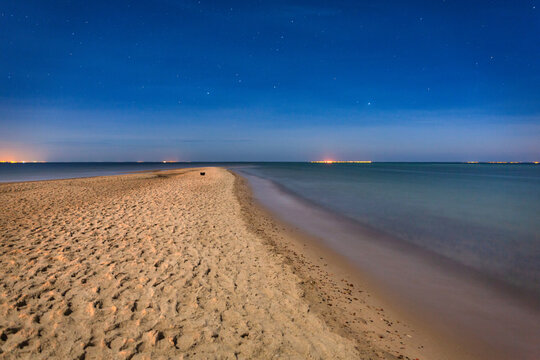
point(202, 173)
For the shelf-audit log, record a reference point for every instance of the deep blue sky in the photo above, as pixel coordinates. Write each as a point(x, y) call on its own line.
point(269, 80)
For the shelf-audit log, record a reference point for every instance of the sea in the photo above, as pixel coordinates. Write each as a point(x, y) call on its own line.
point(457, 243)
point(484, 216)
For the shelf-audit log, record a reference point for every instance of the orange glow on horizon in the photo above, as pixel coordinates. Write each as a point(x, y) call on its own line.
point(21, 161)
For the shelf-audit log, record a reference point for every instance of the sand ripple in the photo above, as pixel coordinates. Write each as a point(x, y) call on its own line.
point(146, 266)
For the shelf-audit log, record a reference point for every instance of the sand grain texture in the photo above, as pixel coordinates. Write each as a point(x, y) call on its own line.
point(147, 266)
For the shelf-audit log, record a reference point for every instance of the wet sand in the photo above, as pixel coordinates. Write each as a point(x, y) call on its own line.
point(349, 302)
point(464, 313)
point(165, 265)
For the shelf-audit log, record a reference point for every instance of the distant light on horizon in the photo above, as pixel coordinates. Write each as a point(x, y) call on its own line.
point(21, 161)
point(503, 162)
point(341, 162)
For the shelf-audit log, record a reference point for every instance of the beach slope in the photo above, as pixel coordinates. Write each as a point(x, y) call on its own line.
point(151, 265)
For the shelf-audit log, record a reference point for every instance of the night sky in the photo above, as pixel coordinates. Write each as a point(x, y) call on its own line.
point(270, 80)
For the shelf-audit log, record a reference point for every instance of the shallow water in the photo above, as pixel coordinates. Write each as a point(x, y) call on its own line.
point(486, 217)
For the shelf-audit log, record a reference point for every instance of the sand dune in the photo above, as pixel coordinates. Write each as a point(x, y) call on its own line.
point(153, 266)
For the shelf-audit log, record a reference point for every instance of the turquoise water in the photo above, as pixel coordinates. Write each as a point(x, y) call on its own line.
point(484, 216)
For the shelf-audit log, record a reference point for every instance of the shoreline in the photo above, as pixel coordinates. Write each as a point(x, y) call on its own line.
point(527, 296)
point(369, 317)
point(505, 304)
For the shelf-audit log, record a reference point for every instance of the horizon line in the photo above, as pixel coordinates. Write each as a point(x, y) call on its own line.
point(21, 162)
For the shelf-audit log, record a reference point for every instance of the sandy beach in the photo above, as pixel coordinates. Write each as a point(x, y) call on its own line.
point(177, 265)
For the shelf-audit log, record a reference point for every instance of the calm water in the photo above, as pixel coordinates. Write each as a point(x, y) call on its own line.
point(484, 216)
